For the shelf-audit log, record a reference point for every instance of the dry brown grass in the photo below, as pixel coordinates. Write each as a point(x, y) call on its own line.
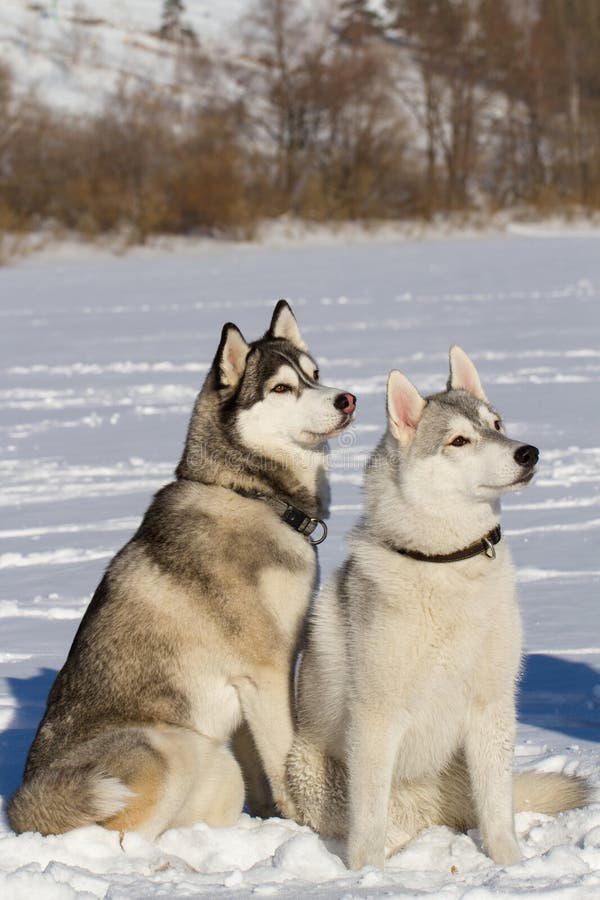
point(319, 130)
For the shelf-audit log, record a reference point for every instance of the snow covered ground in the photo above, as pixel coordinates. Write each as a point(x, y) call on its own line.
point(100, 360)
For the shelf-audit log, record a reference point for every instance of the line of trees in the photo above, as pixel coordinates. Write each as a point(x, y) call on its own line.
point(512, 99)
point(446, 106)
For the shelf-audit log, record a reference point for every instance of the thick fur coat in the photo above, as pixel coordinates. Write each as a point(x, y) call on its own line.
point(190, 637)
point(406, 698)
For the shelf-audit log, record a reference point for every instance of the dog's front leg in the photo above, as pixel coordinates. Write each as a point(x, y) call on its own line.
point(489, 751)
point(266, 705)
point(372, 746)
point(258, 790)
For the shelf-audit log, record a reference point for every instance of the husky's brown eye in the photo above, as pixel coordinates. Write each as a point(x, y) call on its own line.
point(316, 374)
point(281, 388)
point(498, 425)
point(459, 441)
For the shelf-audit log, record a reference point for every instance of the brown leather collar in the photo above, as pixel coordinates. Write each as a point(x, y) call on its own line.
point(485, 545)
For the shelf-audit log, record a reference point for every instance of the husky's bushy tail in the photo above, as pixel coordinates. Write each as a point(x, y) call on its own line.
point(318, 783)
point(93, 782)
point(60, 798)
point(550, 792)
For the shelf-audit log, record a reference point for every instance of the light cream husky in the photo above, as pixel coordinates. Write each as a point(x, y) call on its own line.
point(406, 703)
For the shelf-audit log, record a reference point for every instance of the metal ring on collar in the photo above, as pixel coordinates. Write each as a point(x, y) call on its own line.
point(323, 533)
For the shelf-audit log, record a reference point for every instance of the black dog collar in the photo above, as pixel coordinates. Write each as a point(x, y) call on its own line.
point(293, 516)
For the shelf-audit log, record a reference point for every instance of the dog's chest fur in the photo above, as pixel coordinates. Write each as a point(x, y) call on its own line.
point(233, 602)
point(429, 641)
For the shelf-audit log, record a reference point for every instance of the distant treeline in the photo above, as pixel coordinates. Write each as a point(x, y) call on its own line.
point(447, 106)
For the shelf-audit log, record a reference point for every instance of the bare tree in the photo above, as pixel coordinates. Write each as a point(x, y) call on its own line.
point(323, 109)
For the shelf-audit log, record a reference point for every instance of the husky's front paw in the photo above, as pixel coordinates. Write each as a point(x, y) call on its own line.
point(504, 851)
point(360, 855)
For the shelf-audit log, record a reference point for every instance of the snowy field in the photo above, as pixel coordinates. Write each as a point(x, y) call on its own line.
point(100, 361)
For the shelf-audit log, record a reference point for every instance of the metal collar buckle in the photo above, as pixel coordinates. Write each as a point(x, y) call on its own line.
point(304, 524)
point(490, 550)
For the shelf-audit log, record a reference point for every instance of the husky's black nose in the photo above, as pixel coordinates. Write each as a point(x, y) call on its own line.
point(527, 455)
point(345, 402)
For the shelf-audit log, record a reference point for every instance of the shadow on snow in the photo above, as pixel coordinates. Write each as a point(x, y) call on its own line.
point(557, 694)
point(30, 696)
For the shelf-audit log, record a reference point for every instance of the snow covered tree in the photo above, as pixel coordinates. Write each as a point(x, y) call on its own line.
point(358, 20)
point(173, 28)
point(171, 16)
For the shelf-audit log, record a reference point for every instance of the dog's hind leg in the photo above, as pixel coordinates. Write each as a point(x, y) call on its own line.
point(318, 786)
point(209, 779)
point(189, 778)
point(143, 768)
point(143, 779)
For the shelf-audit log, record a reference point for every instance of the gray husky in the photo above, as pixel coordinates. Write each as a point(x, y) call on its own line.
point(406, 702)
point(193, 629)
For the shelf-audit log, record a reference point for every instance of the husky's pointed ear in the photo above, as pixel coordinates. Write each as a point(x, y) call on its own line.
point(284, 325)
point(463, 374)
point(404, 406)
point(230, 360)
